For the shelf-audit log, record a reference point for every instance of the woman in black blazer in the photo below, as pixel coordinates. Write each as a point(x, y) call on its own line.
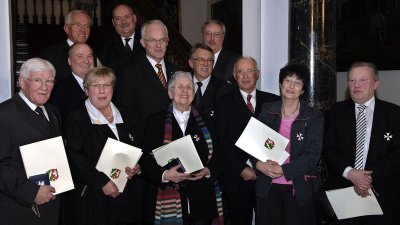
point(284, 192)
point(96, 199)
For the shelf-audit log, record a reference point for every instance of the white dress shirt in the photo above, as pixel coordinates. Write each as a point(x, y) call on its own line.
point(204, 82)
point(153, 64)
point(369, 114)
point(33, 106)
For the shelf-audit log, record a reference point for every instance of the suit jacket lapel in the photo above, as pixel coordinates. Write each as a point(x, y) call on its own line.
point(31, 117)
point(241, 105)
point(151, 75)
point(209, 93)
point(377, 131)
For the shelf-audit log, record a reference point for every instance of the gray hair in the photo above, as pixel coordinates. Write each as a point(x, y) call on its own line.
point(176, 75)
point(69, 15)
point(221, 24)
point(150, 22)
point(36, 65)
point(244, 57)
point(370, 65)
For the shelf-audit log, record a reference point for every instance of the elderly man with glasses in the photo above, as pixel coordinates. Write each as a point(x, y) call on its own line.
point(24, 119)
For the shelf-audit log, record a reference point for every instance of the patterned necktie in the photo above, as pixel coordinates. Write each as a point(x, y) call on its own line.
point(198, 95)
point(160, 75)
point(249, 105)
point(361, 128)
point(40, 112)
point(127, 47)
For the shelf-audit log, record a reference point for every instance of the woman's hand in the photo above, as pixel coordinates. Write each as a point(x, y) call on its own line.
point(110, 189)
point(175, 176)
point(132, 171)
point(270, 168)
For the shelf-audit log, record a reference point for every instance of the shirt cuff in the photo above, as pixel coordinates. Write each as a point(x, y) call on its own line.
point(162, 178)
point(346, 171)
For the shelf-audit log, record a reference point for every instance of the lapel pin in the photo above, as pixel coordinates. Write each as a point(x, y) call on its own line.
point(299, 137)
point(197, 138)
point(387, 136)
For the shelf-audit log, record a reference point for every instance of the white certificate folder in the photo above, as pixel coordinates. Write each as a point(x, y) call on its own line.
point(262, 142)
point(183, 149)
point(114, 158)
point(347, 204)
point(48, 158)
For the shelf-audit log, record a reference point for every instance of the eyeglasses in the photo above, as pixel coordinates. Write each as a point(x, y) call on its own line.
point(289, 82)
point(203, 60)
point(242, 72)
point(101, 86)
point(209, 34)
point(79, 26)
point(39, 82)
point(183, 87)
point(154, 42)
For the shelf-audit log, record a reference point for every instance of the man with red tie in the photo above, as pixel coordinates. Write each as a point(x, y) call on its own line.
point(233, 112)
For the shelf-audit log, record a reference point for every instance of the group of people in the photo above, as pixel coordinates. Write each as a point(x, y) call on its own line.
point(137, 97)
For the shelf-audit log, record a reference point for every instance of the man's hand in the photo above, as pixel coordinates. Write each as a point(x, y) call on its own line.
point(361, 180)
point(175, 176)
point(132, 171)
point(45, 194)
point(248, 174)
point(110, 189)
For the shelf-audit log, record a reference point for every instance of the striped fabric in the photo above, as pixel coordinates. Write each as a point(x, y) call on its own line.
point(168, 207)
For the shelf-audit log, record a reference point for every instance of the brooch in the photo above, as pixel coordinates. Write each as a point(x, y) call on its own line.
point(299, 137)
point(387, 136)
point(196, 137)
point(212, 113)
point(131, 137)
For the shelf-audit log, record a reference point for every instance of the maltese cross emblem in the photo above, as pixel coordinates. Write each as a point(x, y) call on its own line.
point(299, 136)
point(387, 136)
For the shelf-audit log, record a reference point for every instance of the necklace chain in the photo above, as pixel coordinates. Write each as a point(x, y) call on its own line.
point(288, 115)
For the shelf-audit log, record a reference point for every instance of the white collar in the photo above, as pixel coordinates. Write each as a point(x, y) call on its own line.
point(70, 43)
point(26, 100)
point(216, 56)
point(370, 103)
point(204, 82)
point(78, 79)
point(244, 94)
point(96, 117)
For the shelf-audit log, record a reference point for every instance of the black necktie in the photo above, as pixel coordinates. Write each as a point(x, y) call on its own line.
point(127, 47)
point(40, 112)
point(198, 95)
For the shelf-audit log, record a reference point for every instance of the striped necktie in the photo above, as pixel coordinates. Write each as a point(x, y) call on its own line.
point(361, 129)
point(160, 75)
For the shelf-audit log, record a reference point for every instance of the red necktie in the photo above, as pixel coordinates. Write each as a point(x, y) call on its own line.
point(249, 105)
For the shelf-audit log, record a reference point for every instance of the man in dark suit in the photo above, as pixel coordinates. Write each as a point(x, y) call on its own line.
point(213, 36)
point(232, 115)
point(141, 88)
point(25, 119)
point(207, 86)
point(77, 27)
point(363, 145)
point(68, 93)
point(124, 43)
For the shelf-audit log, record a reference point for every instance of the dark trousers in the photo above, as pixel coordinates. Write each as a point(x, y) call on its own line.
point(240, 206)
point(197, 222)
point(281, 208)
